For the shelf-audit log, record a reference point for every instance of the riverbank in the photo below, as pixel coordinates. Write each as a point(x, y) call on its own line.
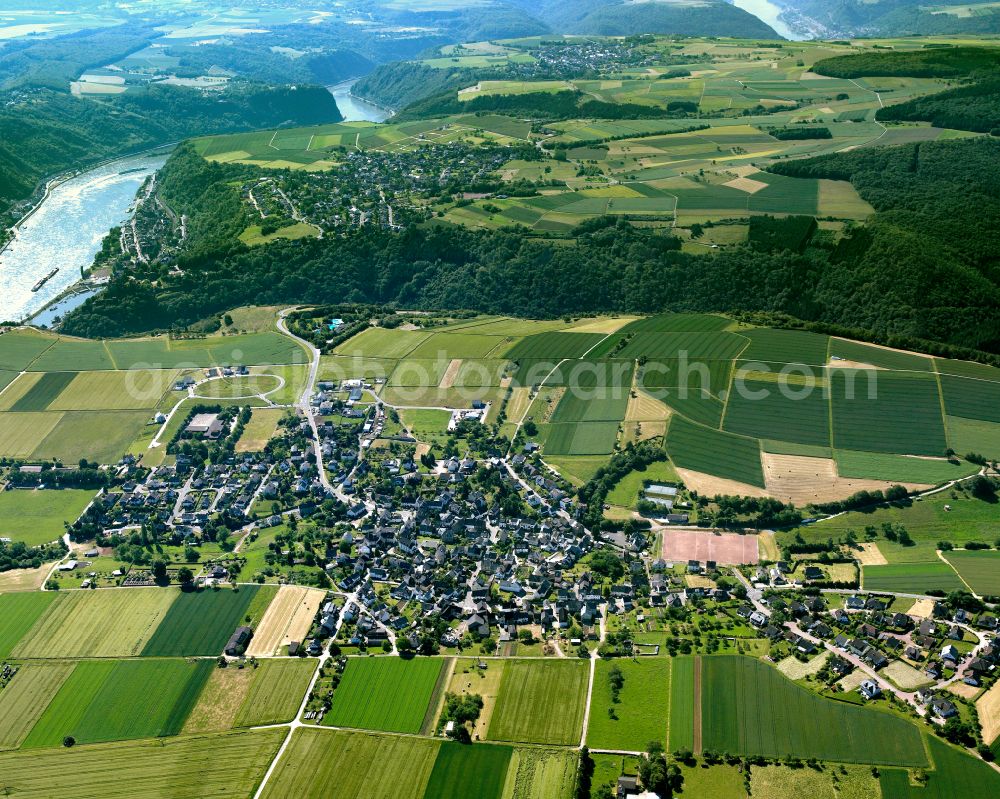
point(357, 109)
point(65, 230)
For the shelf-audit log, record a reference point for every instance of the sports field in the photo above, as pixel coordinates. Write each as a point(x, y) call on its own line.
point(540, 702)
point(749, 708)
point(642, 712)
point(39, 516)
point(724, 548)
point(201, 622)
point(110, 623)
point(384, 693)
point(332, 764)
point(230, 764)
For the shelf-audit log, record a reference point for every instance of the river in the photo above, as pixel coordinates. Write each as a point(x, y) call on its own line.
point(66, 233)
point(769, 13)
point(355, 109)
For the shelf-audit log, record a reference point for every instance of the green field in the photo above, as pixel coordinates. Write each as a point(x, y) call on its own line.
point(880, 357)
point(580, 438)
point(26, 697)
point(18, 614)
point(466, 771)
point(43, 392)
point(979, 569)
point(38, 517)
point(764, 409)
point(785, 347)
point(955, 774)
point(536, 773)
point(911, 578)
point(201, 622)
point(105, 701)
point(111, 623)
point(682, 703)
point(749, 708)
point(276, 692)
point(540, 702)
point(892, 412)
point(384, 693)
point(702, 449)
point(880, 466)
point(189, 767)
point(331, 764)
point(553, 346)
point(643, 711)
point(626, 492)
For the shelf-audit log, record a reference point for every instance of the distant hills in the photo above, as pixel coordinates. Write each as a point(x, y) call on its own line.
point(824, 18)
point(625, 18)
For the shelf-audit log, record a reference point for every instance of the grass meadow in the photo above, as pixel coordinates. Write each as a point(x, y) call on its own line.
point(18, 614)
point(275, 692)
point(464, 771)
point(911, 578)
point(540, 702)
point(39, 516)
point(642, 713)
point(980, 570)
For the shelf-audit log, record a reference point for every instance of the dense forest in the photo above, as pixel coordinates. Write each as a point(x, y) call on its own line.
point(550, 106)
point(925, 267)
point(972, 107)
point(50, 132)
point(933, 62)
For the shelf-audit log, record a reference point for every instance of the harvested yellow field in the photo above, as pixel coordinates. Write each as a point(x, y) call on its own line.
point(988, 707)
point(868, 554)
point(802, 480)
point(922, 609)
point(709, 485)
point(113, 622)
point(288, 618)
point(747, 185)
point(602, 324)
point(768, 547)
point(220, 700)
point(24, 579)
point(261, 429)
point(644, 408)
point(451, 373)
point(795, 669)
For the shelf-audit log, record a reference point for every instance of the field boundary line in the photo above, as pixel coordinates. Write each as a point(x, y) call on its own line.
point(951, 566)
point(944, 409)
point(436, 703)
point(111, 356)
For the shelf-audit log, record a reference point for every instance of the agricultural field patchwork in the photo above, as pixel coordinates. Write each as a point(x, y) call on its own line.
point(199, 623)
point(275, 692)
point(385, 693)
point(916, 578)
point(18, 614)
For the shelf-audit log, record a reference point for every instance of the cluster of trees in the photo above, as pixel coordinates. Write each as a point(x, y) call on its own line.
point(929, 62)
point(973, 107)
point(757, 512)
point(18, 555)
point(87, 476)
point(635, 457)
point(864, 499)
point(801, 133)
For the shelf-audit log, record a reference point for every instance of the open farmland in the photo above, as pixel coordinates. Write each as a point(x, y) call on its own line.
point(191, 767)
point(749, 708)
point(955, 774)
point(541, 774)
point(540, 702)
point(111, 701)
point(288, 618)
point(702, 449)
point(201, 622)
point(111, 623)
point(39, 516)
point(980, 570)
point(275, 693)
point(684, 704)
point(642, 713)
point(385, 693)
point(25, 698)
point(911, 578)
point(18, 614)
point(331, 764)
point(462, 771)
